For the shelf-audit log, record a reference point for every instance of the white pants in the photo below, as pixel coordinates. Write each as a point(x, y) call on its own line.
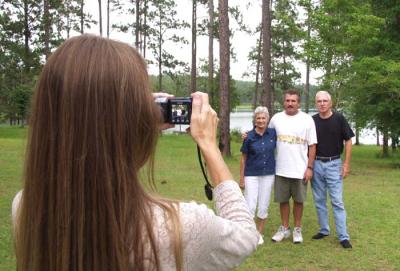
point(258, 188)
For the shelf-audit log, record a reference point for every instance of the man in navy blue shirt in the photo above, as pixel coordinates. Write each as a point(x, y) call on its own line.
point(257, 167)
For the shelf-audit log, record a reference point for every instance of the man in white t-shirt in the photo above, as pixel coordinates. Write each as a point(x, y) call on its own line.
point(296, 146)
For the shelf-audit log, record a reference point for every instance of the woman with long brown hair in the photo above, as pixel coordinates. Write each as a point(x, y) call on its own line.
point(93, 127)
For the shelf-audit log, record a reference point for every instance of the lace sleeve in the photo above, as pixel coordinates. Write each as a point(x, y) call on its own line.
point(222, 241)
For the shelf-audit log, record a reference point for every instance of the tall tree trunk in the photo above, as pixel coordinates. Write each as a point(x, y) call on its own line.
point(145, 28)
point(46, 26)
point(27, 36)
point(328, 69)
point(257, 84)
point(357, 132)
point(138, 26)
point(307, 87)
point(160, 56)
point(211, 52)
point(272, 86)
point(266, 29)
point(82, 15)
point(68, 28)
point(100, 19)
point(68, 25)
point(108, 18)
point(285, 84)
point(385, 145)
point(377, 136)
point(224, 56)
point(394, 139)
point(194, 36)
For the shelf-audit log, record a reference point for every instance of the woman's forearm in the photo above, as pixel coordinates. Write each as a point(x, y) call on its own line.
point(216, 165)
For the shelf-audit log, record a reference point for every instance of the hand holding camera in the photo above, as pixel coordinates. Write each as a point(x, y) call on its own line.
point(203, 129)
point(178, 110)
point(204, 121)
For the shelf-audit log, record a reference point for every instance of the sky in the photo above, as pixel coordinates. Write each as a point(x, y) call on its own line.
point(241, 42)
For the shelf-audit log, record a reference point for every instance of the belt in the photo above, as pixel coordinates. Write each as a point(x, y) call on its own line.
point(327, 159)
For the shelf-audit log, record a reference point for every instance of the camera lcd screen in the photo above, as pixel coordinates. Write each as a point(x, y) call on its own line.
point(180, 113)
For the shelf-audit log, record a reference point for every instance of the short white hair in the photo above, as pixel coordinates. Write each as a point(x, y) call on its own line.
point(323, 92)
point(261, 110)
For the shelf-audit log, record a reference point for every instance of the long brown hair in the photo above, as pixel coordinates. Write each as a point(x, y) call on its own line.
point(93, 126)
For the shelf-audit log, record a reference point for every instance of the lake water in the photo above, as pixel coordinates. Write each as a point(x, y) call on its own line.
point(243, 121)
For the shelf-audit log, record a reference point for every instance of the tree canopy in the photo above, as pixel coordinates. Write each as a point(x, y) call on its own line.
point(354, 43)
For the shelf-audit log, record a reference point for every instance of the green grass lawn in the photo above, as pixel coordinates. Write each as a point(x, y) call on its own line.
point(372, 200)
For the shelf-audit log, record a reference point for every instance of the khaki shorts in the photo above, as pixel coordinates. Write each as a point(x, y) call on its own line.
point(285, 188)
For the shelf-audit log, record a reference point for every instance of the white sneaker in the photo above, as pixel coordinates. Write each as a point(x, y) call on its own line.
point(281, 234)
point(260, 240)
point(297, 236)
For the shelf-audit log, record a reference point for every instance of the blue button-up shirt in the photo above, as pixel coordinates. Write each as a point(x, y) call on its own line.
point(260, 151)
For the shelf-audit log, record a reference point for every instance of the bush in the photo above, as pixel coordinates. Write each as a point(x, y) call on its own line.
point(236, 135)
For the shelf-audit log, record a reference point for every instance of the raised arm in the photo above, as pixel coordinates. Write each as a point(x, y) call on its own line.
point(223, 240)
point(203, 129)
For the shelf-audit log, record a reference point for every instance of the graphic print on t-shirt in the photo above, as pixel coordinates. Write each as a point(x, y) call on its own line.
point(291, 139)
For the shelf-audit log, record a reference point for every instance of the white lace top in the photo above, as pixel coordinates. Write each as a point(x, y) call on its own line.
point(210, 241)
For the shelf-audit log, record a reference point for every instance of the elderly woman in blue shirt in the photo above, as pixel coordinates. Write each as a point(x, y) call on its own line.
point(257, 167)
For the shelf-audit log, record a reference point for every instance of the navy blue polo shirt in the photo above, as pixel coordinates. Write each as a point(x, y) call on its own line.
point(260, 152)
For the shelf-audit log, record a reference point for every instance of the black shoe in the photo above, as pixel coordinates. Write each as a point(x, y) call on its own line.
point(319, 236)
point(346, 244)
